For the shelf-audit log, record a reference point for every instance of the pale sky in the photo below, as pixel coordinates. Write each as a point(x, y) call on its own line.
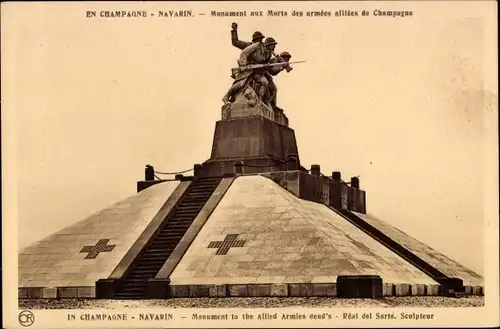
point(406, 103)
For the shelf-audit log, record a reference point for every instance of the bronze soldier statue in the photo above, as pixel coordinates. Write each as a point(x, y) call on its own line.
point(256, 37)
point(272, 71)
point(255, 53)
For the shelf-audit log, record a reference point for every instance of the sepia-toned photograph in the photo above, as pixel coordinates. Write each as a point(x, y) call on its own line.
point(218, 164)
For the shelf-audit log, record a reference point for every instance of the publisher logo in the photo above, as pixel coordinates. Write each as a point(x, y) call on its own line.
point(26, 318)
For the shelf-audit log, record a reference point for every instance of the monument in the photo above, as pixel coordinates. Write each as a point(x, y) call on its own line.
point(253, 132)
point(250, 222)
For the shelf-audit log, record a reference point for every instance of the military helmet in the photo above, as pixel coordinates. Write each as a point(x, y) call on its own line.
point(270, 41)
point(257, 36)
point(285, 54)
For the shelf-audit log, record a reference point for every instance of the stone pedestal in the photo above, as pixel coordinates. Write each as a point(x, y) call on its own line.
point(254, 143)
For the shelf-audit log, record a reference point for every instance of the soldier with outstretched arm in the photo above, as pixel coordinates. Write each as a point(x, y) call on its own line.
point(272, 71)
point(263, 73)
point(256, 37)
point(255, 53)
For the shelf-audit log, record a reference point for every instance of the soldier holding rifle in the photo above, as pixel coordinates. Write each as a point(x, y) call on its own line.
point(256, 61)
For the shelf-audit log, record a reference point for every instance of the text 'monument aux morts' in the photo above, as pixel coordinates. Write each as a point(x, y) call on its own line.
point(245, 13)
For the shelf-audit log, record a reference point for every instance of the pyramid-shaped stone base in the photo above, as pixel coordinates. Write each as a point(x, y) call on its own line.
point(253, 237)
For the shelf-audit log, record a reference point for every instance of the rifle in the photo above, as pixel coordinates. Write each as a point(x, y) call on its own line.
point(236, 70)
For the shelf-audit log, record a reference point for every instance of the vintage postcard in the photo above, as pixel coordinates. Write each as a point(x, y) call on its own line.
point(250, 164)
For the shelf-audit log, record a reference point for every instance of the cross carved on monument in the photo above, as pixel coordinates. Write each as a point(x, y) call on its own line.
point(100, 246)
point(224, 246)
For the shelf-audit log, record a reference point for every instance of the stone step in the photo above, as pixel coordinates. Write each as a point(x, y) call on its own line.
point(155, 255)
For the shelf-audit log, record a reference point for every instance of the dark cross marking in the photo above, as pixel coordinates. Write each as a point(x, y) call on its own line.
point(224, 246)
point(100, 246)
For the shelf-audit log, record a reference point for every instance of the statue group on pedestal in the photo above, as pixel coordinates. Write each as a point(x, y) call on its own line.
point(258, 63)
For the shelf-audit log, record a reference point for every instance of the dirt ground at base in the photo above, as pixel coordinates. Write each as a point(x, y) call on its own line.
point(262, 302)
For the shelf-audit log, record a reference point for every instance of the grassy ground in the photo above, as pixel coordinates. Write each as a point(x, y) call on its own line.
point(264, 302)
